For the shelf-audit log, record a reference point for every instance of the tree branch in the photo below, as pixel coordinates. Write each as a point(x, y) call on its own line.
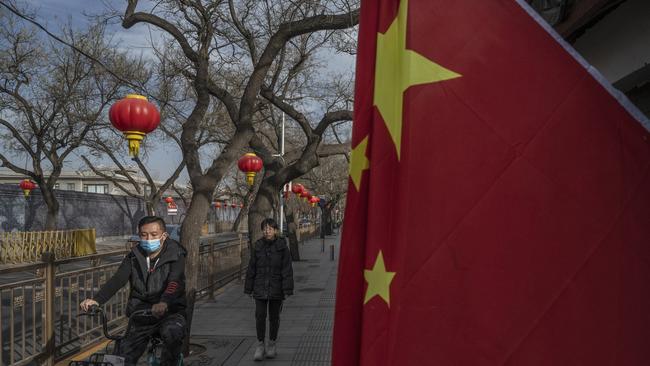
point(112, 179)
point(7, 164)
point(243, 31)
point(226, 98)
point(331, 117)
point(131, 18)
point(285, 32)
point(338, 139)
point(117, 162)
point(333, 149)
point(289, 110)
point(16, 134)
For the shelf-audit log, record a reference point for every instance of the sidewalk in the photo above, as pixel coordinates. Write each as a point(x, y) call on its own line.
point(226, 325)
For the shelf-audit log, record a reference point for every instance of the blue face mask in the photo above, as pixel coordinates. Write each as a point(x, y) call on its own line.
point(150, 246)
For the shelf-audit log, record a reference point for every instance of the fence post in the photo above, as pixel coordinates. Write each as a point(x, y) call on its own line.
point(212, 271)
point(331, 252)
point(48, 336)
point(241, 257)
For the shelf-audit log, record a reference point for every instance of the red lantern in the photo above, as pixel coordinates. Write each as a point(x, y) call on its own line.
point(169, 200)
point(135, 117)
point(250, 164)
point(241, 205)
point(314, 200)
point(217, 204)
point(27, 186)
point(297, 188)
point(233, 205)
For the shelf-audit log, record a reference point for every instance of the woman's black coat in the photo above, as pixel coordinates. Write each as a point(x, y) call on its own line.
point(269, 274)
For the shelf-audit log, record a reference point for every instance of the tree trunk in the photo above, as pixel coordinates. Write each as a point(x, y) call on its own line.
point(261, 209)
point(247, 204)
point(190, 237)
point(52, 208)
point(30, 213)
point(151, 211)
point(292, 228)
point(326, 219)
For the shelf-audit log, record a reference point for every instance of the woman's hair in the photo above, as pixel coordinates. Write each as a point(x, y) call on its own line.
point(269, 222)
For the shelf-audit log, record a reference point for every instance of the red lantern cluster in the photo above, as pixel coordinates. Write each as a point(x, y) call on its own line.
point(27, 186)
point(135, 117)
point(297, 188)
point(171, 205)
point(306, 195)
point(250, 164)
point(302, 192)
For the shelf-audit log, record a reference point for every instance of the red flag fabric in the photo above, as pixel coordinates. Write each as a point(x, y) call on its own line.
point(498, 210)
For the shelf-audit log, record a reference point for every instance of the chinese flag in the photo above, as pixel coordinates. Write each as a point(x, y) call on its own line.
point(499, 206)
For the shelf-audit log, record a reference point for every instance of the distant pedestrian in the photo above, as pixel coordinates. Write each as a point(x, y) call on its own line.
point(269, 280)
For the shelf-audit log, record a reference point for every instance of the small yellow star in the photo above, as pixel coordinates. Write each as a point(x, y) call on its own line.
point(378, 280)
point(359, 162)
point(396, 70)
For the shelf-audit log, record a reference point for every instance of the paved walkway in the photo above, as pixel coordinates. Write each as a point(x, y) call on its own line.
point(226, 325)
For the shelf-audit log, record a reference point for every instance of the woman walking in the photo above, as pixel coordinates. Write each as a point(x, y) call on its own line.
point(269, 279)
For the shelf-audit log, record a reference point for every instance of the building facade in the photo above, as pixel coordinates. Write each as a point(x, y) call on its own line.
point(89, 182)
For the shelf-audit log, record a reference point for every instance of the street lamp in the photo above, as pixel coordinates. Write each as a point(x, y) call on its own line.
point(281, 156)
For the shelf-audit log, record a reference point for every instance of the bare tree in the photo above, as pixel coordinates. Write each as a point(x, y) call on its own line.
point(318, 138)
point(51, 98)
point(148, 191)
point(329, 181)
point(203, 31)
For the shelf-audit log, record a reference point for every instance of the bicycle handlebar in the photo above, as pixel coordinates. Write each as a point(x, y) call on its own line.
point(96, 310)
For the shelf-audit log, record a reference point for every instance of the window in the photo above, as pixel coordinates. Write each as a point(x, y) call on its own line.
point(70, 186)
point(96, 188)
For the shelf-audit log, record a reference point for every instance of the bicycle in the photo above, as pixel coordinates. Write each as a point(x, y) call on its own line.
point(154, 349)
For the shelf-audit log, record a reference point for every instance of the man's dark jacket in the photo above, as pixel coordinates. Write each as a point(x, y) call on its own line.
point(269, 274)
point(163, 282)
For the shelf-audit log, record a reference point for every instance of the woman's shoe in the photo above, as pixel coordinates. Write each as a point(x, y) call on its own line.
point(259, 351)
point(271, 350)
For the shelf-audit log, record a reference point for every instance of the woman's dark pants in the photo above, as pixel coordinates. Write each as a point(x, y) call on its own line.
point(274, 307)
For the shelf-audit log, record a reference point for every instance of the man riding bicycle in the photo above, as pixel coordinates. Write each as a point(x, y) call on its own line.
point(155, 269)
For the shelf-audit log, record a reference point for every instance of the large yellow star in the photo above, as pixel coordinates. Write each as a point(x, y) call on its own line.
point(396, 70)
point(378, 280)
point(359, 162)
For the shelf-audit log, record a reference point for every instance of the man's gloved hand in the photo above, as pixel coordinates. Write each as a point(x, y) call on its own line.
point(159, 309)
